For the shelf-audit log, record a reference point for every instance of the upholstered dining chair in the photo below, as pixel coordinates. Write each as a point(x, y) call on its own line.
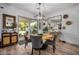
point(36, 42)
point(52, 42)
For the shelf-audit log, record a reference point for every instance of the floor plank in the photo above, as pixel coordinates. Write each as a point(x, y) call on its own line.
point(61, 49)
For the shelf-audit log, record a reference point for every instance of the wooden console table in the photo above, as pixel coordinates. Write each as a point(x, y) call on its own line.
point(9, 39)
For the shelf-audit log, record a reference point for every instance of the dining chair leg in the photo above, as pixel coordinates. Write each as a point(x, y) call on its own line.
point(39, 52)
point(53, 48)
point(32, 52)
point(25, 45)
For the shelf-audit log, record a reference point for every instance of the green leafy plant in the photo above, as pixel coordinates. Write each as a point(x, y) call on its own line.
point(45, 29)
point(13, 25)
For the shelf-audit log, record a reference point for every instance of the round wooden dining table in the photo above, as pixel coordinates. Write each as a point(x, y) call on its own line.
point(47, 36)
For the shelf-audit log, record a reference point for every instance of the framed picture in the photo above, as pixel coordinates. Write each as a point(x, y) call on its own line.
point(9, 21)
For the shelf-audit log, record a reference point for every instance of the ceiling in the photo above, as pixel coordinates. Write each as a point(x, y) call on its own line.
point(46, 8)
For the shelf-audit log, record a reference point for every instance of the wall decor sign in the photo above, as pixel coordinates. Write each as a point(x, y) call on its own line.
point(9, 21)
point(68, 23)
point(65, 16)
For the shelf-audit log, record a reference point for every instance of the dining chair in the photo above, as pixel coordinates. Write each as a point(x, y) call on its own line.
point(52, 42)
point(36, 42)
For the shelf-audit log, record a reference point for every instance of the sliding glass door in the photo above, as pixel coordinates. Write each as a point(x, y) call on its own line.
point(23, 27)
point(27, 25)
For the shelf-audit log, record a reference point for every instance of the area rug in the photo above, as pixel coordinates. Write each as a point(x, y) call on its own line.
point(21, 42)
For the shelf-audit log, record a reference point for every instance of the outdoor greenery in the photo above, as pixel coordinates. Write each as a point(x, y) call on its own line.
point(45, 29)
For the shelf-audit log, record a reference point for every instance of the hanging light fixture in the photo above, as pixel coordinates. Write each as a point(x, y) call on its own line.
point(40, 15)
point(39, 11)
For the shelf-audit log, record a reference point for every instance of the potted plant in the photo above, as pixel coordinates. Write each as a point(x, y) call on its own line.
point(13, 25)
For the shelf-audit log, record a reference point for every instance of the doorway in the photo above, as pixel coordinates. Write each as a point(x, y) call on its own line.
point(33, 26)
point(26, 25)
point(23, 26)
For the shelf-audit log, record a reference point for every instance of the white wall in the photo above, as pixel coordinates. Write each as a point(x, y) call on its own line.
point(71, 33)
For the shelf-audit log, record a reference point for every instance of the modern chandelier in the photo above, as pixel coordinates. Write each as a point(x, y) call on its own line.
point(40, 9)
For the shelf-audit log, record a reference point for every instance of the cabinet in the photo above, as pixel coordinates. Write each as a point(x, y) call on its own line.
point(9, 39)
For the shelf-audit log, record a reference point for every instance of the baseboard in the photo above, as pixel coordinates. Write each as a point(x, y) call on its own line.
point(68, 43)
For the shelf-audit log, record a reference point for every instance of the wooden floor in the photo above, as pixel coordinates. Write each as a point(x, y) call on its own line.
point(61, 49)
